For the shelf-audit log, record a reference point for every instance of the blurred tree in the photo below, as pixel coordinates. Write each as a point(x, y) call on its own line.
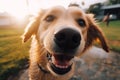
point(95, 8)
point(73, 4)
point(83, 3)
point(112, 2)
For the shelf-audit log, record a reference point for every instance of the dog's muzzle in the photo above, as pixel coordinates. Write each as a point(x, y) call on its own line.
point(66, 41)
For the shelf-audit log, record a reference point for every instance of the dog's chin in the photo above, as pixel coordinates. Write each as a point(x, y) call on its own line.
point(60, 64)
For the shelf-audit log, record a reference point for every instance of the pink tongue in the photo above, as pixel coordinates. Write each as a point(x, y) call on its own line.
point(62, 60)
point(62, 63)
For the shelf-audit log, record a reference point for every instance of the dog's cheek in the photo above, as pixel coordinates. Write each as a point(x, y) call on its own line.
point(81, 47)
point(48, 41)
point(42, 32)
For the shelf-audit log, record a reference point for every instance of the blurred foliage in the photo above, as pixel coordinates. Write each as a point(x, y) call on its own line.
point(112, 2)
point(73, 4)
point(95, 8)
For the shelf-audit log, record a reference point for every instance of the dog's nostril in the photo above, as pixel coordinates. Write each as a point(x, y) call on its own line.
point(76, 38)
point(60, 37)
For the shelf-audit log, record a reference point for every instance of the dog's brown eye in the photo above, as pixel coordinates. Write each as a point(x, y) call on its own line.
point(50, 18)
point(81, 22)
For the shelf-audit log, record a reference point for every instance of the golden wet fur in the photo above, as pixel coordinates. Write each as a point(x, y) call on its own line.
point(42, 28)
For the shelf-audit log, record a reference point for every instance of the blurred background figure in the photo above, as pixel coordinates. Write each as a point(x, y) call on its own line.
point(106, 19)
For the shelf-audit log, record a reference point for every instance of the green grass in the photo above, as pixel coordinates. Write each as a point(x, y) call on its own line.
point(112, 32)
point(13, 54)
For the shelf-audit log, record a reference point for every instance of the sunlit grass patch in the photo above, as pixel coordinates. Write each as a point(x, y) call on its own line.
point(112, 32)
point(13, 54)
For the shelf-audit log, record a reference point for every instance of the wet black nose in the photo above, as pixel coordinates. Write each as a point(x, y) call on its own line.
point(67, 39)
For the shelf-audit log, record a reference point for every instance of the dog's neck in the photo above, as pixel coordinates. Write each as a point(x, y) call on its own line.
point(48, 56)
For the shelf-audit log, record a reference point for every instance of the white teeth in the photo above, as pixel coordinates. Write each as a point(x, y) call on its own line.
point(53, 59)
point(59, 66)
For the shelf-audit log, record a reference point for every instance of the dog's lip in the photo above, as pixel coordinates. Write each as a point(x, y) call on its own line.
point(60, 71)
point(61, 64)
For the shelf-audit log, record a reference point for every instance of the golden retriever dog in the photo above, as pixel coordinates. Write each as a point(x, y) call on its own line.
point(58, 35)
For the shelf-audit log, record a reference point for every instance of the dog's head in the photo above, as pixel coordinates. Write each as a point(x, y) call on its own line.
point(64, 33)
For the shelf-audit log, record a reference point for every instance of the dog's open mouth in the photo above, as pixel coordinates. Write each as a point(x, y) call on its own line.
point(60, 64)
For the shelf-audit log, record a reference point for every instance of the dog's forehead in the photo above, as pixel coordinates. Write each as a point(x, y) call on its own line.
point(55, 9)
point(75, 10)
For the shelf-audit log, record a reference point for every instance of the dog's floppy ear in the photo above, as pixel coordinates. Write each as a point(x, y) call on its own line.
point(94, 33)
point(32, 27)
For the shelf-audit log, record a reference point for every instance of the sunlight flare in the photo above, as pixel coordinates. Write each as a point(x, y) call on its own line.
point(17, 8)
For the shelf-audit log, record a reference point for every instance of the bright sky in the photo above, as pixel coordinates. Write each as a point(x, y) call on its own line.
point(19, 8)
point(36, 4)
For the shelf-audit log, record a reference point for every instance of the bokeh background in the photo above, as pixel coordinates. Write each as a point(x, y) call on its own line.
point(16, 14)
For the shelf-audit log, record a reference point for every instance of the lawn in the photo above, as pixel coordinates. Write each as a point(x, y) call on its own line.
point(112, 32)
point(14, 54)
